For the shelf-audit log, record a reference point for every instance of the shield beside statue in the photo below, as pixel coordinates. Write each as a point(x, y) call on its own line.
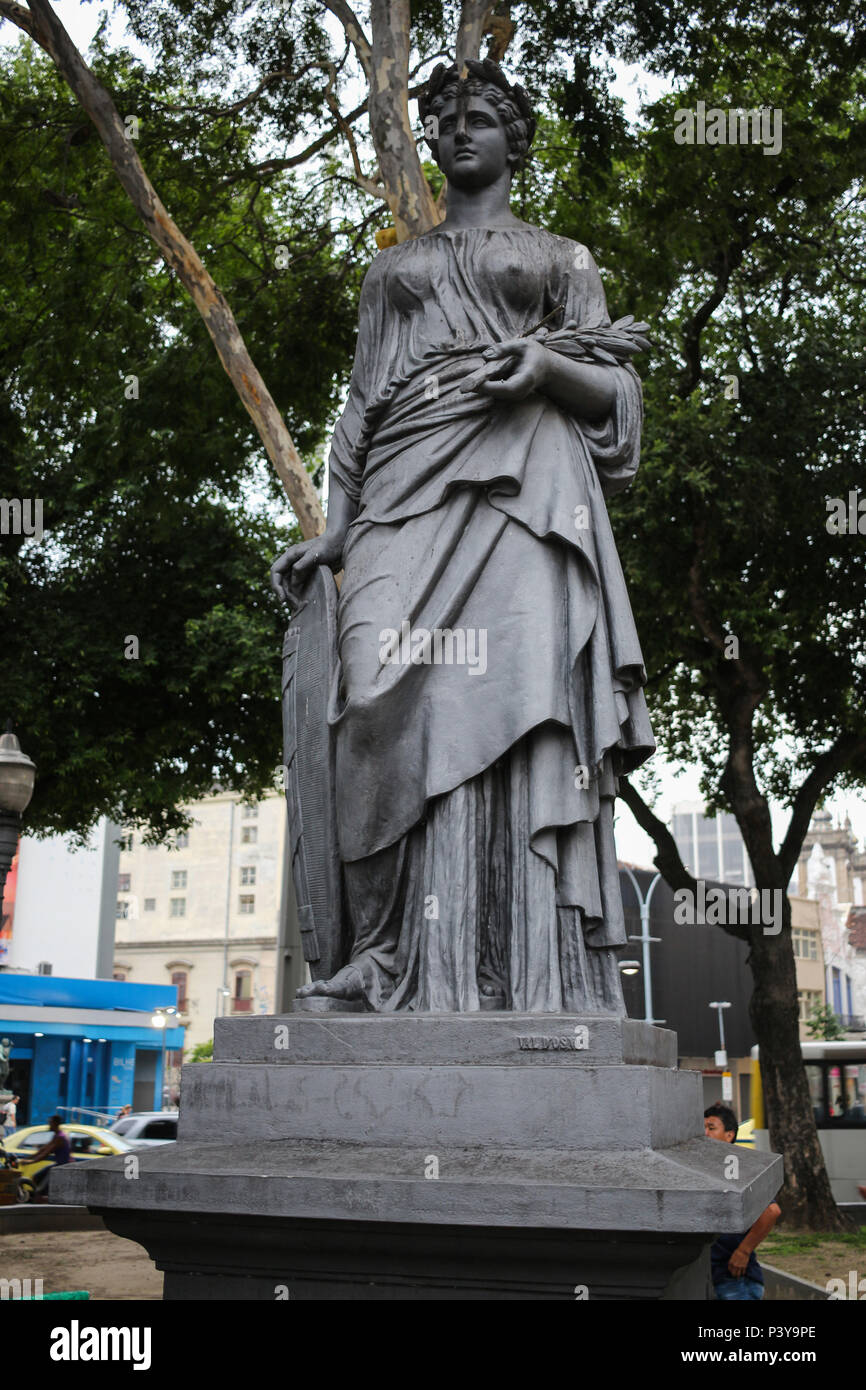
point(309, 673)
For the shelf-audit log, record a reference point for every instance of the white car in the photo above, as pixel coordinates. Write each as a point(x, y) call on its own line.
point(146, 1128)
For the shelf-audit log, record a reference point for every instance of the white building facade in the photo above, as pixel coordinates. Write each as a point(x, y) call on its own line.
point(205, 913)
point(63, 922)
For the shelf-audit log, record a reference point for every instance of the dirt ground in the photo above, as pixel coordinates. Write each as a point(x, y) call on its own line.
point(817, 1260)
point(104, 1264)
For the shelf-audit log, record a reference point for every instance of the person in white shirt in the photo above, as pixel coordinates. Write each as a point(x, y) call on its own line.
point(10, 1118)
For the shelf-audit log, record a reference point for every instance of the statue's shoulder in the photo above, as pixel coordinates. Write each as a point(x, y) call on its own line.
point(569, 249)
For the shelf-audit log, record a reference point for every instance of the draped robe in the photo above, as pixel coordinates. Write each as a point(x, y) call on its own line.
point(475, 797)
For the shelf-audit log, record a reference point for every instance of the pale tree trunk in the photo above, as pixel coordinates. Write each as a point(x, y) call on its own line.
point(475, 17)
point(384, 58)
point(407, 191)
point(42, 24)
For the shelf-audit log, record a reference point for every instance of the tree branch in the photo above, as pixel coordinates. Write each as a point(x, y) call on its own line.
point(668, 860)
point(740, 689)
point(376, 190)
point(181, 257)
point(741, 674)
point(354, 33)
point(243, 101)
point(827, 767)
point(16, 15)
point(728, 261)
point(501, 30)
point(276, 166)
point(475, 16)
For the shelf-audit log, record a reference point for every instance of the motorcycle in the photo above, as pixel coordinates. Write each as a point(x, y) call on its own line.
point(16, 1179)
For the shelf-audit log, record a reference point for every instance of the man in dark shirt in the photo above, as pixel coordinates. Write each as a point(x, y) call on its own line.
point(736, 1272)
point(58, 1149)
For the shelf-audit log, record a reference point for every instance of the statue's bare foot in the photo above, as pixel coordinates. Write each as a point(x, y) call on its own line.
point(346, 984)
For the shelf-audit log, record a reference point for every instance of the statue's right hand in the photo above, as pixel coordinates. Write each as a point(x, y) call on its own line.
point(296, 563)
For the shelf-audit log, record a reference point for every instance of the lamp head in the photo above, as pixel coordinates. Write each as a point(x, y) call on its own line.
point(17, 774)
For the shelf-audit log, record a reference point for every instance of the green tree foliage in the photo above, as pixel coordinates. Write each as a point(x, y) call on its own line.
point(823, 1023)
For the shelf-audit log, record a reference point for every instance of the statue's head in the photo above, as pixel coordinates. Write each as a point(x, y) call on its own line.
point(481, 124)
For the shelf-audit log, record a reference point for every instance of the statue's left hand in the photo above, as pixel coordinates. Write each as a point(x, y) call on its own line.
point(300, 560)
point(525, 360)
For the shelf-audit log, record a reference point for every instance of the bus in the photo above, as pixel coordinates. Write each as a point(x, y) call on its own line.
point(836, 1072)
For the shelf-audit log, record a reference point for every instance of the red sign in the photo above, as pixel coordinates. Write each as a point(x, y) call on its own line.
point(8, 912)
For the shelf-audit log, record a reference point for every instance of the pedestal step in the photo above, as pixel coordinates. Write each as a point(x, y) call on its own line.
point(567, 1040)
point(682, 1189)
point(581, 1108)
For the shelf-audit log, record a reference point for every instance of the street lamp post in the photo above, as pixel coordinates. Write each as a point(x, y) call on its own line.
point(645, 939)
point(161, 1018)
point(17, 779)
point(721, 1055)
point(160, 1021)
point(222, 995)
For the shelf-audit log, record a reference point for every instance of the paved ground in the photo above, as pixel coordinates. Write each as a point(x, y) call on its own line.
point(104, 1264)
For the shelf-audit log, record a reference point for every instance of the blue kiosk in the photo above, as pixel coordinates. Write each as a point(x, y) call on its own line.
point(84, 1048)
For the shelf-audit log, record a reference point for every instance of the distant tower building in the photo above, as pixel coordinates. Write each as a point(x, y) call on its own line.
point(847, 861)
point(831, 870)
point(711, 847)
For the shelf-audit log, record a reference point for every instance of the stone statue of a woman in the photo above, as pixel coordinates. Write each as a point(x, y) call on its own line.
point(489, 670)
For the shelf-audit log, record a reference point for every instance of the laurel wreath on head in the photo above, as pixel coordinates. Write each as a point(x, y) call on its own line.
point(487, 71)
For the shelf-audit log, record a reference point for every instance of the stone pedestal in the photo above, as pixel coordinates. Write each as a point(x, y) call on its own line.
point(487, 1155)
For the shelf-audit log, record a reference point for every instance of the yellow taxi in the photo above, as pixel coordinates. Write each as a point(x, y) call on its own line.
point(85, 1141)
point(746, 1134)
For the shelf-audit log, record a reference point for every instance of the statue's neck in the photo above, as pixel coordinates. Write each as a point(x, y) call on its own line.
point(480, 207)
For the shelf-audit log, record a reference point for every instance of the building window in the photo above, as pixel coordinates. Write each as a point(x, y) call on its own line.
point(178, 878)
point(123, 882)
point(181, 839)
point(120, 975)
point(121, 911)
point(179, 979)
point(242, 997)
point(247, 904)
point(249, 834)
point(177, 907)
point(808, 1000)
point(249, 812)
point(125, 842)
point(248, 876)
point(836, 975)
point(150, 904)
point(805, 943)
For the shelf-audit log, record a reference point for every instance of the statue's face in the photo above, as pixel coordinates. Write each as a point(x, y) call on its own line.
point(473, 144)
